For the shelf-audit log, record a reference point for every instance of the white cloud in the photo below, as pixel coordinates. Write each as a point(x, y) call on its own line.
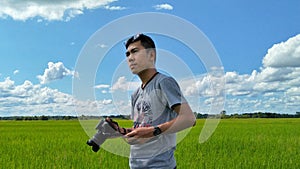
point(201, 86)
point(47, 9)
point(124, 85)
point(101, 46)
point(270, 74)
point(114, 8)
point(284, 54)
point(28, 99)
point(16, 72)
point(163, 6)
point(102, 86)
point(293, 91)
point(108, 101)
point(6, 85)
point(121, 84)
point(274, 88)
point(55, 71)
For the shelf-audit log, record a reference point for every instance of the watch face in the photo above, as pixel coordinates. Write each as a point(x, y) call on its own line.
point(157, 131)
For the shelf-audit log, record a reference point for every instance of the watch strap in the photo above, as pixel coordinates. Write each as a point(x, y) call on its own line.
point(157, 131)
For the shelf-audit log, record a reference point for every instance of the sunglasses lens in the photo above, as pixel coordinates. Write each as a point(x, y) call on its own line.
point(136, 36)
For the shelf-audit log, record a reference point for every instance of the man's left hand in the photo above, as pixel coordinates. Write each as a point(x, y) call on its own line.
point(139, 135)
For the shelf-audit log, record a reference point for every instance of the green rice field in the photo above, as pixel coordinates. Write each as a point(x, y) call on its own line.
point(236, 143)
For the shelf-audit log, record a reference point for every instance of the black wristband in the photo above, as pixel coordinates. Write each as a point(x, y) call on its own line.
point(157, 131)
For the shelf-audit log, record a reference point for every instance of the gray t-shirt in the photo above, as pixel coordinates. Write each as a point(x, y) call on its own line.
point(151, 106)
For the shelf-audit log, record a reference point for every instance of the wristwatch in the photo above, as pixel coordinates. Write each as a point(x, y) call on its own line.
point(157, 131)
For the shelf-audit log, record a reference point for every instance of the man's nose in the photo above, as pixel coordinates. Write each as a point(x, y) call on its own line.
point(130, 58)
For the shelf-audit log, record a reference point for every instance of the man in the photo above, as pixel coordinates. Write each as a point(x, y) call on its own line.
point(159, 109)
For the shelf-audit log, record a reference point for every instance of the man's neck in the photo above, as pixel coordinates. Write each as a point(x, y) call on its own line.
point(146, 75)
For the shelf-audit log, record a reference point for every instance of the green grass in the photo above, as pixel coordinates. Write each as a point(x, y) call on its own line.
point(236, 143)
point(244, 143)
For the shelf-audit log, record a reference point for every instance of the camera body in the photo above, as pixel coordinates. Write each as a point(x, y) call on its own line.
point(104, 131)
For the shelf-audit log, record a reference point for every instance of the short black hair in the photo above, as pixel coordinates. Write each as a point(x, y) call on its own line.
point(146, 41)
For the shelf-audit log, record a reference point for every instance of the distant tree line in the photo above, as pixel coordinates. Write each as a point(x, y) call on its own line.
point(84, 117)
point(28, 118)
point(222, 114)
point(43, 117)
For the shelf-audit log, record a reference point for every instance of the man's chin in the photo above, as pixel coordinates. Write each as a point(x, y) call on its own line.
point(134, 72)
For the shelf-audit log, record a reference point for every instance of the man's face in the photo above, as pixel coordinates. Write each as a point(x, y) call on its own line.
point(139, 58)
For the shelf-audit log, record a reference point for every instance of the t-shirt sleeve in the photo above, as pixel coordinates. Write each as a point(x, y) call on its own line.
point(171, 91)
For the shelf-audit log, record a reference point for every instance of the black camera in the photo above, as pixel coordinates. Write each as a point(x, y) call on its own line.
point(106, 129)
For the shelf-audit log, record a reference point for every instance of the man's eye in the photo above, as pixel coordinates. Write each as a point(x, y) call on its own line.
point(131, 52)
point(134, 51)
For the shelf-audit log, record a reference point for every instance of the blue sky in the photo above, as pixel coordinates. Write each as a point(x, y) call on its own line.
point(258, 43)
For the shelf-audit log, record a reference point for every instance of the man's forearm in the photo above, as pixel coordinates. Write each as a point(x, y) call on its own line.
point(185, 119)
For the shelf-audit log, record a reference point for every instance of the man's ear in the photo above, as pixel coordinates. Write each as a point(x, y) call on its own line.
point(152, 55)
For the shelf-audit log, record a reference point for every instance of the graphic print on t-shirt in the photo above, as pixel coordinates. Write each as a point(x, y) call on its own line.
point(143, 115)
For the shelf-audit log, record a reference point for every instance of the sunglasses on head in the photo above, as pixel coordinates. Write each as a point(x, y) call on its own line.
point(143, 38)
